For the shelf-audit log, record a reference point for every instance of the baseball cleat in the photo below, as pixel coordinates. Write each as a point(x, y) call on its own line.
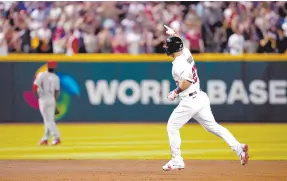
point(56, 141)
point(171, 165)
point(43, 142)
point(244, 155)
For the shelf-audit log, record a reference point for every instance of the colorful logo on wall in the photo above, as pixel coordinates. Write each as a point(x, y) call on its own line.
point(69, 87)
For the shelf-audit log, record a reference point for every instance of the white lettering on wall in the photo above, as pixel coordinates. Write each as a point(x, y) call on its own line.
point(258, 92)
point(237, 93)
point(122, 92)
point(102, 90)
point(277, 92)
point(150, 91)
point(216, 90)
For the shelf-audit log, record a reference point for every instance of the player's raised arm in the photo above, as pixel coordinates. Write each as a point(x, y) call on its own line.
point(170, 31)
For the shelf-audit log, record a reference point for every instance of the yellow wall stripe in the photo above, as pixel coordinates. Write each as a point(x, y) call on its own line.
point(141, 58)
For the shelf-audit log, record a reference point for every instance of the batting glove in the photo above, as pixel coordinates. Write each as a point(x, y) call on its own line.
point(169, 30)
point(172, 95)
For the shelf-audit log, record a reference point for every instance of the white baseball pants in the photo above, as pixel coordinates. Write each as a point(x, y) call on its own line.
point(47, 109)
point(199, 109)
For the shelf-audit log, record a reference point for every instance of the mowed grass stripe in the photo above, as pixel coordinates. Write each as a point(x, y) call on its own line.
point(87, 145)
point(155, 154)
point(140, 141)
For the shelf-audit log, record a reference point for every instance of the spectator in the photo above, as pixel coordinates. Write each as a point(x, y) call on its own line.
point(136, 7)
point(251, 45)
point(3, 42)
point(147, 38)
point(193, 36)
point(55, 13)
point(105, 38)
point(38, 15)
point(80, 36)
point(134, 40)
point(268, 43)
point(45, 34)
point(204, 26)
point(282, 41)
point(59, 39)
point(230, 14)
point(236, 43)
point(159, 40)
point(26, 39)
point(91, 42)
point(72, 43)
point(119, 42)
point(212, 18)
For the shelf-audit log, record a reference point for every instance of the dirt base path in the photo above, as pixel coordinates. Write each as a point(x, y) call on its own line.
point(139, 170)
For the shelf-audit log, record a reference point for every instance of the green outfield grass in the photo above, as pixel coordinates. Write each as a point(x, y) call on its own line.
point(140, 141)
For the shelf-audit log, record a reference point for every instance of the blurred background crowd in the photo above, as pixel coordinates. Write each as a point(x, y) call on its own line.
point(137, 27)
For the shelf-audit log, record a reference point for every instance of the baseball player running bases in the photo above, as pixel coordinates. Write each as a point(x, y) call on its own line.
point(47, 88)
point(194, 103)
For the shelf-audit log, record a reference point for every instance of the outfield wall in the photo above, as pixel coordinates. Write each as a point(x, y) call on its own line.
point(127, 88)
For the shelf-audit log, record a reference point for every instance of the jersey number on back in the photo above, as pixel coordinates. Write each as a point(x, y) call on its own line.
point(194, 74)
point(194, 71)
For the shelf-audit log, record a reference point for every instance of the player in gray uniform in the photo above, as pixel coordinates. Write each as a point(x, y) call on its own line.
point(47, 88)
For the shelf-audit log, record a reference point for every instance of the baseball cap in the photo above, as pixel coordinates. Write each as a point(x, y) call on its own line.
point(52, 64)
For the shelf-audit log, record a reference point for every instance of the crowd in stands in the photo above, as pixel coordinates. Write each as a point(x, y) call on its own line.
point(137, 27)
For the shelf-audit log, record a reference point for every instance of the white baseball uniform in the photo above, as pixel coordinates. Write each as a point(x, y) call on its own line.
point(47, 84)
point(194, 103)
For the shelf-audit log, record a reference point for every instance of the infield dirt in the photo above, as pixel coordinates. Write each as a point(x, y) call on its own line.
point(139, 170)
